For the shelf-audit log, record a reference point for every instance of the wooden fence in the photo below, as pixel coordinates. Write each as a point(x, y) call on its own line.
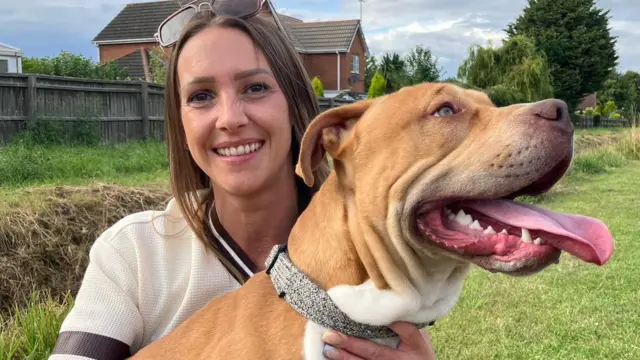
point(123, 110)
point(120, 111)
point(588, 122)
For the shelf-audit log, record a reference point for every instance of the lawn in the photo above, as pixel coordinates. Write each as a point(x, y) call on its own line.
point(570, 311)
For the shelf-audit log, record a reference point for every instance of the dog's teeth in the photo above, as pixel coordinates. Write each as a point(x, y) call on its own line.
point(476, 225)
point(504, 231)
point(452, 216)
point(538, 241)
point(448, 211)
point(463, 219)
point(526, 236)
point(489, 231)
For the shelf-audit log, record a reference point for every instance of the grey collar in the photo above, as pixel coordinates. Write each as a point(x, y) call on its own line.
point(313, 303)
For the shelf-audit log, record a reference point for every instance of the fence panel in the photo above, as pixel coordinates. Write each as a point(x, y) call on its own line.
point(120, 111)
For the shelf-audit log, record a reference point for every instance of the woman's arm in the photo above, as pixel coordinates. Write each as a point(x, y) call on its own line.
point(104, 321)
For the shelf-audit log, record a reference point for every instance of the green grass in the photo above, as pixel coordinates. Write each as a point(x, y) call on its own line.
point(569, 311)
point(28, 165)
point(31, 332)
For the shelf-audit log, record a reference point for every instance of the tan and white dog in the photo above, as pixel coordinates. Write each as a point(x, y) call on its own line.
point(423, 188)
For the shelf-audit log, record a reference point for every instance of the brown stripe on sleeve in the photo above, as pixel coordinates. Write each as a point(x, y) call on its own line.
point(92, 346)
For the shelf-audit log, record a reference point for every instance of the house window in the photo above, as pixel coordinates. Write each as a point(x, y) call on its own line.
point(4, 66)
point(355, 64)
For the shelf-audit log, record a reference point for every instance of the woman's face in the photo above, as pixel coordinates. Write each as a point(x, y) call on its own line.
point(235, 117)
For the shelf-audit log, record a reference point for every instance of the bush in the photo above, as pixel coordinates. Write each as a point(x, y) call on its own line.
point(616, 116)
point(317, 86)
point(609, 108)
point(588, 111)
point(378, 85)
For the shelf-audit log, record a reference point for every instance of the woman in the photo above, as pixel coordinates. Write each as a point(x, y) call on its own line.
point(237, 103)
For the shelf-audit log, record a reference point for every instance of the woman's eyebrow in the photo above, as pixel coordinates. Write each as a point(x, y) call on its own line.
point(247, 73)
point(238, 76)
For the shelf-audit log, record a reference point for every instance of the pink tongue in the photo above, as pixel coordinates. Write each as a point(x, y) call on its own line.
point(586, 238)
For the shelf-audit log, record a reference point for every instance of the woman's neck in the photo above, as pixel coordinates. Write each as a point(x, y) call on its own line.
point(259, 222)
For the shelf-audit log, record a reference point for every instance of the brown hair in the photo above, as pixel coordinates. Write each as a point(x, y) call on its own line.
point(186, 177)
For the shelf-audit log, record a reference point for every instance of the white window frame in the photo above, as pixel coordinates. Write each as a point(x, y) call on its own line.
point(355, 64)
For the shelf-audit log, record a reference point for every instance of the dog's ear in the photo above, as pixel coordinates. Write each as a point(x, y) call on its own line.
point(327, 132)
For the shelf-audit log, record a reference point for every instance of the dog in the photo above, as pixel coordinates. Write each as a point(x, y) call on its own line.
point(423, 188)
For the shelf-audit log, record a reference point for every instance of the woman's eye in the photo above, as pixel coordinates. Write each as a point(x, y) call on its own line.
point(445, 110)
point(200, 96)
point(257, 88)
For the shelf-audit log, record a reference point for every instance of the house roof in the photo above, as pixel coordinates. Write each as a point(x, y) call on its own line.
point(10, 50)
point(325, 35)
point(133, 63)
point(138, 22)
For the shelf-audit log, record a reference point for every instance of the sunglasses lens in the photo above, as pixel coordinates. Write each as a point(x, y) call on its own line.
point(170, 31)
point(236, 8)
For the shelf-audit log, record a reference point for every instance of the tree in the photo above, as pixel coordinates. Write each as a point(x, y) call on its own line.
point(422, 66)
point(515, 72)
point(371, 66)
point(378, 86)
point(393, 69)
point(318, 88)
point(158, 63)
point(574, 35)
point(623, 90)
point(72, 65)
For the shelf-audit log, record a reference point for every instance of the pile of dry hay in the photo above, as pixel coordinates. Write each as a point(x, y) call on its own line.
point(45, 246)
point(586, 142)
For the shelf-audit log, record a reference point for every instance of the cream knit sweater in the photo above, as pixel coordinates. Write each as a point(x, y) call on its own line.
point(146, 275)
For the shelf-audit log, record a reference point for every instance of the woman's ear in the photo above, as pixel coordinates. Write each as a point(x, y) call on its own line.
point(329, 132)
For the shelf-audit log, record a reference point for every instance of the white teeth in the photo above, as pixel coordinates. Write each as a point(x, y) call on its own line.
point(463, 219)
point(504, 231)
point(538, 241)
point(489, 231)
point(526, 236)
point(452, 217)
point(476, 225)
point(239, 150)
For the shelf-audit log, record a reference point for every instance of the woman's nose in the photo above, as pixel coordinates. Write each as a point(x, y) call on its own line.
point(230, 114)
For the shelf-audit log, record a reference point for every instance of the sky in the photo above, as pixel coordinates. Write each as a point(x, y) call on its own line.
point(447, 27)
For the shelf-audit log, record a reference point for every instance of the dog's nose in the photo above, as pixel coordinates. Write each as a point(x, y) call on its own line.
point(551, 109)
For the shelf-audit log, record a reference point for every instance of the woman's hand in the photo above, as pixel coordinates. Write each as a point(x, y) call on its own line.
point(414, 345)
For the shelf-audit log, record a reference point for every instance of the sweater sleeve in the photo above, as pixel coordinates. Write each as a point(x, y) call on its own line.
point(104, 322)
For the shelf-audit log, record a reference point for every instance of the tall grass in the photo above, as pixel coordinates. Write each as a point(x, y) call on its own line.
point(31, 332)
point(27, 164)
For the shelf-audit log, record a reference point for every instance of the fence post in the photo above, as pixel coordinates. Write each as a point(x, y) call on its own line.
point(31, 101)
point(331, 103)
point(144, 108)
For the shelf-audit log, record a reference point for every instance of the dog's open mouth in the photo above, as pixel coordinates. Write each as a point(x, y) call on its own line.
point(503, 235)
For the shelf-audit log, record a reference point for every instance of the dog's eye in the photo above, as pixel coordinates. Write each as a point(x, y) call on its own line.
point(445, 110)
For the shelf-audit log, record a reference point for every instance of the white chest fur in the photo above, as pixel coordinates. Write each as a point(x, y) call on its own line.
point(368, 305)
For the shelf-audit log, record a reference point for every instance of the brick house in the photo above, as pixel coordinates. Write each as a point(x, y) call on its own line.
point(332, 50)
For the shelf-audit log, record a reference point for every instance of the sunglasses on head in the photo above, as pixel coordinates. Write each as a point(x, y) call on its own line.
point(170, 29)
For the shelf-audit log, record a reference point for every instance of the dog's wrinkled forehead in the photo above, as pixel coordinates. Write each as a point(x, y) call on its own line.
point(428, 93)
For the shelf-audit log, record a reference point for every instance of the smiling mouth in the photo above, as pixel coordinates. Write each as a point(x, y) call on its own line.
point(503, 235)
point(240, 149)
